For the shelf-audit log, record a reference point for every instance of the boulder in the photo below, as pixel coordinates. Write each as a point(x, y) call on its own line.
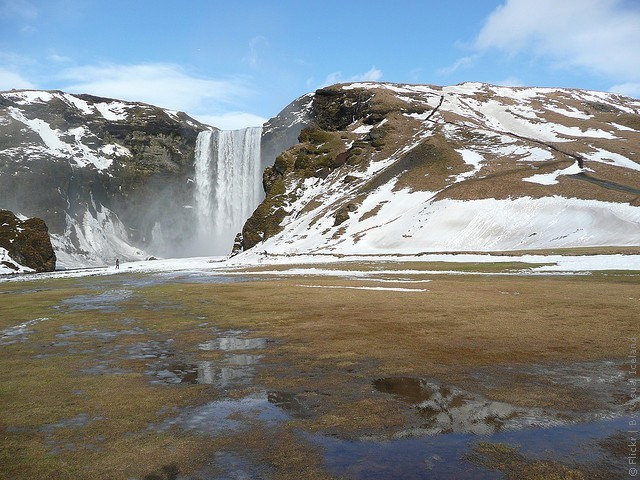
point(27, 243)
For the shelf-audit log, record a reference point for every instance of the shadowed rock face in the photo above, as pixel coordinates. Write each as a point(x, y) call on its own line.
point(27, 242)
point(106, 176)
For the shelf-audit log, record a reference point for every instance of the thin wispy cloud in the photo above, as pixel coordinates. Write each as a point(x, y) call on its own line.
point(161, 84)
point(10, 80)
point(459, 64)
point(372, 75)
point(600, 36)
point(630, 89)
point(256, 46)
point(232, 120)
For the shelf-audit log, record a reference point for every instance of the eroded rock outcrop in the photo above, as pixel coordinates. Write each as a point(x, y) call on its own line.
point(26, 243)
point(389, 168)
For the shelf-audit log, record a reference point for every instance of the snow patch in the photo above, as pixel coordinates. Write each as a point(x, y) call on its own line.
point(54, 141)
point(552, 178)
point(80, 104)
point(6, 260)
point(114, 111)
point(573, 113)
point(383, 289)
point(472, 158)
point(604, 156)
point(26, 97)
point(363, 129)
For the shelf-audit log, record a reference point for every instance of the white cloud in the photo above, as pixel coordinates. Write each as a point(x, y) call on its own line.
point(9, 80)
point(373, 75)
point(510, 81)
point(631, 89)
point(256, 45)
point(162, 84)
point(56, 58)
point(232, 120)
point(461, 63)
point(599, 35)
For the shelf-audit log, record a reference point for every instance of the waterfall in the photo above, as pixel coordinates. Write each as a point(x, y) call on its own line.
point(228, 185)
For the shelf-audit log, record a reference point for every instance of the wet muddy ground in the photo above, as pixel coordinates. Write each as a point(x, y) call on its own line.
point(230, 377)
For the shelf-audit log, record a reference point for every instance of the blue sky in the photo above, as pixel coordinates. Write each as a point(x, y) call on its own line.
point(236, 63)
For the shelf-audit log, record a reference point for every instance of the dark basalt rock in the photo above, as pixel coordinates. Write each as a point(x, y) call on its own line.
point(27, 242)
point(146, 187)
point(335, 108)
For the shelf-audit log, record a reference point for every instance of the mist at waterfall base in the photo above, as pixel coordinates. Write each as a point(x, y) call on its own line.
point(228, 188)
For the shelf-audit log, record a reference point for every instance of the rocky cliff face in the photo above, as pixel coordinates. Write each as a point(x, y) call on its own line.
point(110, 178)
point(354, 168)
point(385, 168)
point(24, 245)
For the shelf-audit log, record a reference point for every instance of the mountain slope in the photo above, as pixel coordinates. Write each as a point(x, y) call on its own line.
point(110, 178)
point(385, 168)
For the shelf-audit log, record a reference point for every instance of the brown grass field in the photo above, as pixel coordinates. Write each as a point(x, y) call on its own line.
point(325, 345)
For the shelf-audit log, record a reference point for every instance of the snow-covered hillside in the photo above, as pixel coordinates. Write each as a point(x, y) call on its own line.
point(360, 168)
point(110, 178)
point(389, 168)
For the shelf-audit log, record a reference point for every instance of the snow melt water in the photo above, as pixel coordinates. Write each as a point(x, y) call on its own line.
point(228, 186)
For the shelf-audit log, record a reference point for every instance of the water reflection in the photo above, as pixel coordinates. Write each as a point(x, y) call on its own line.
point(448, 409)
point(232, 343)
point(223, 416)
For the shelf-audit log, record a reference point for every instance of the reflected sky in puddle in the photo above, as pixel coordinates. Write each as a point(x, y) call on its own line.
point(227, 415)
point(232, 343)
point(105, 301)
point(233, 370)
point(152, 349)
point(70, 331)
point(444, 456)
point(60, 445)
point(606, 385)
point(448, 409)
point(19, 333)
point(205, 373)
point(293, 404)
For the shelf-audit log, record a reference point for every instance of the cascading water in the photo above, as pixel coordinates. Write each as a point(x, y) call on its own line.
point(228, 186)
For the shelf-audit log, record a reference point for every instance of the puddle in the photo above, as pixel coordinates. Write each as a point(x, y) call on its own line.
point(105, 335)
point(242, 360)
point(603, 387)
point(152, 349)
point(103, 367)
point(233, 342)
point(19, 333)
point(78, 422)
point(105, 301)
point(446, 456)
point(236, 467)
point(293, 404)
point(26, 290)
point(448, 409)
point(224, 416)
point(238, 373)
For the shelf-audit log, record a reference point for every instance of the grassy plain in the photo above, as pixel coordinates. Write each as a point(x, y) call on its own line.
point(76, 403)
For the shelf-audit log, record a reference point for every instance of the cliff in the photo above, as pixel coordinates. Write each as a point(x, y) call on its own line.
point(387, 168)
point(24, 245)
point(109, 178)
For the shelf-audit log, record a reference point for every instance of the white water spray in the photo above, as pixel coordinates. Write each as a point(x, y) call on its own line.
point(228, 186)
